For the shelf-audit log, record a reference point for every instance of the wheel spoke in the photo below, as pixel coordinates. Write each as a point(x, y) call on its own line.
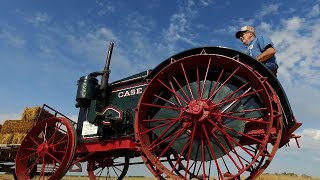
point(54, 158)
point(176, 98)
point(164, 140)
point(43, 167)
point(181, 98)
point(216, 85)
point(202, 156)
point(212, 151)
point(187, 81)
point(62, 142)
point(164, 107)
point(181, 89)
point(173, 140)
point(190, 149)
point(224, 149)
point(255, 120)
point(34, 141)
point(163, 133)
point(205, 79)
point(173, 104)
point(198, 84)
point(27, 156)
point(242, 134)
point(113, 168)
point(245, 111)
point(52, 138)
point(159, 119)
point(230, 138)
point(239, 97)
point(215, 91)
point(180, 155)
point(236, 91)
point(156, 127)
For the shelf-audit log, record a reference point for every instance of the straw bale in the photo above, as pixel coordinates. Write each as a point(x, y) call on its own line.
point(32, 113)
point(10, 126)
point(18, 138)
point(25, 127)
point(6, 138)
point(16, 126)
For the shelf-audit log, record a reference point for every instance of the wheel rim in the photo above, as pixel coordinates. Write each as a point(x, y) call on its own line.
point(108, 168)
point(275, 137)
point(48, 147)
point(202, 112)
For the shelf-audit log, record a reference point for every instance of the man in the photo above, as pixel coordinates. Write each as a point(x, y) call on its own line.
point(260, 47)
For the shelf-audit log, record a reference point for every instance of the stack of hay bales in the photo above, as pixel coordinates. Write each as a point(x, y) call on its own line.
point(13, 131)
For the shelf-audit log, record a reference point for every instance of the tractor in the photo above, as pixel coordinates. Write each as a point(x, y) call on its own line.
point(207, 112)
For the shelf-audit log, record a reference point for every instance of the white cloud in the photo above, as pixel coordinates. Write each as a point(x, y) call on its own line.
point(315, 11)
point(140, 23)
point(268, 10)
point(309, 143)
point(180, 28)
point(105, 7)
point(38, 18)
point(297, 44)
point(12, 38)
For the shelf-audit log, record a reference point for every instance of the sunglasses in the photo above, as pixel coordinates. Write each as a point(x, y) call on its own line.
point(242, 34)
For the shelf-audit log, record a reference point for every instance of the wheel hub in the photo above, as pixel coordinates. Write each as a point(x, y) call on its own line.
point(43, 149)
point(199, 112)
point(196, 111)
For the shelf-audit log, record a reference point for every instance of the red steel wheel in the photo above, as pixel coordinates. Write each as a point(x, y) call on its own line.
point(108, 168)
point(49, 147)
point(215, 112)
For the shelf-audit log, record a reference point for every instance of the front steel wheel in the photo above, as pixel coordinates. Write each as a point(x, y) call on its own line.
point(48, 149)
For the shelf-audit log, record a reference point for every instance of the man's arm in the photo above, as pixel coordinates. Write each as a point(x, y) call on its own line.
point(267, 54)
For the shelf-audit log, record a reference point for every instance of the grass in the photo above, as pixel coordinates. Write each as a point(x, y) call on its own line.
point(289, 176)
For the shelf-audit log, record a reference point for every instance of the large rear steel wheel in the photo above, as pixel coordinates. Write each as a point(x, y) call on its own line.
point(49, 147)
point(217, 115)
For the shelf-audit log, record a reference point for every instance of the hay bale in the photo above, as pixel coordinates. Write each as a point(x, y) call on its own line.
point(25, 127)
point(10, 126)
point(6, 138)
point(32, 114)
point(16, 126)
point(18, 138)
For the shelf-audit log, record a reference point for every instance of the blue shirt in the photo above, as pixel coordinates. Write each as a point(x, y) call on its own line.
point(258, 45)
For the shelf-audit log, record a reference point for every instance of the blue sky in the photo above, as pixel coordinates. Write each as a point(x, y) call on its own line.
point(46, 46)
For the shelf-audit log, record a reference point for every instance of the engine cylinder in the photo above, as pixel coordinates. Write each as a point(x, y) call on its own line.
point(87, 88)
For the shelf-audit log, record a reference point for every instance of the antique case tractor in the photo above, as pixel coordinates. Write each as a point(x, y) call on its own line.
point(208, 112)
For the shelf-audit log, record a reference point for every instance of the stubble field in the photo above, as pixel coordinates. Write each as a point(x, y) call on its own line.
point(262, 177)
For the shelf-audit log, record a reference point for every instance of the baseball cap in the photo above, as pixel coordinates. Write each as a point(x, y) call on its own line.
point(244, 29)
